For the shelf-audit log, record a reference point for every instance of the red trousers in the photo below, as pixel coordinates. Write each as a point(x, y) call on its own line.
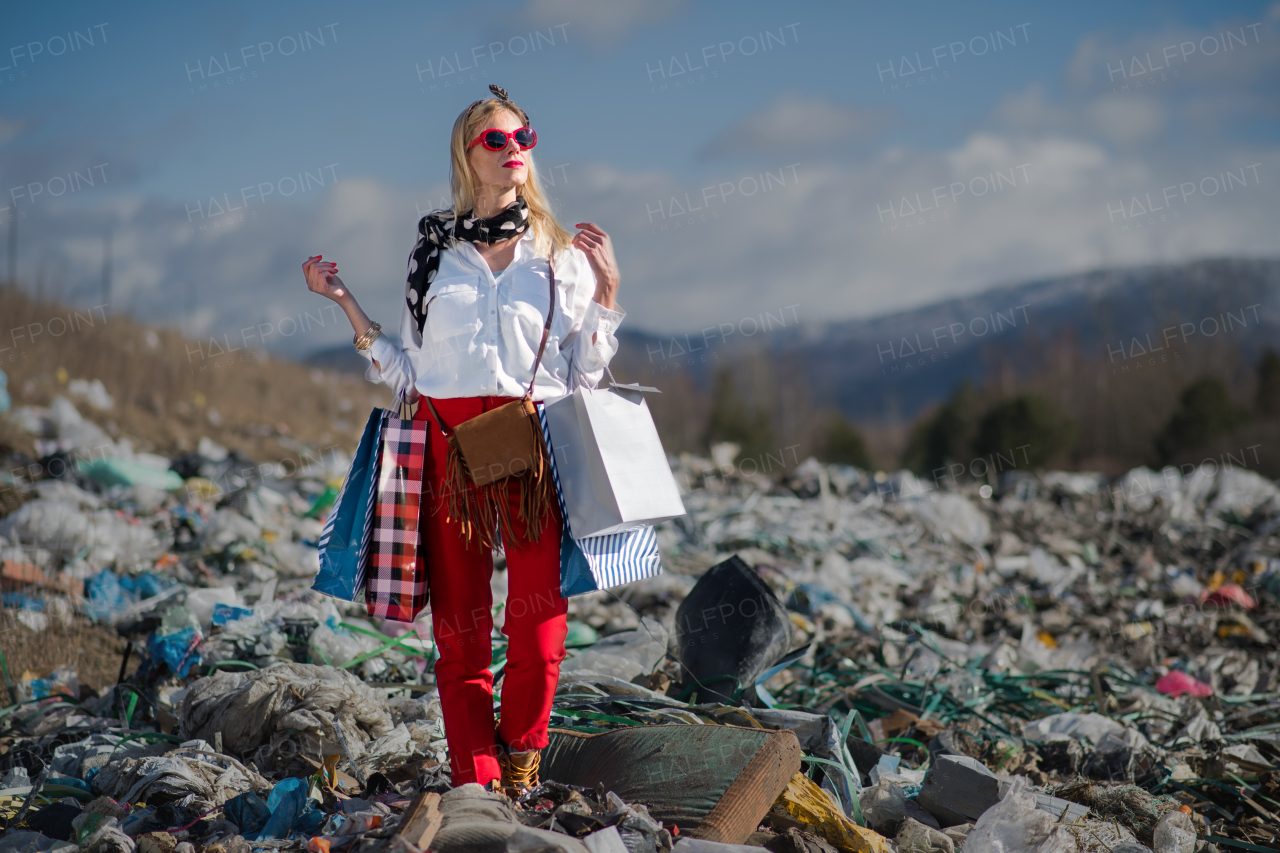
point(535, 620)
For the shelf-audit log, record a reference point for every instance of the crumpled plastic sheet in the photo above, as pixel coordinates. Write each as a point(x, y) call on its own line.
point(73, 760)
point(406, 743)
point(196, 771)
point(277, 715)
point(1015, 825)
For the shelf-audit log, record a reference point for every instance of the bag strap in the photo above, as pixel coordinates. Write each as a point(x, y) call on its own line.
point(546, 327)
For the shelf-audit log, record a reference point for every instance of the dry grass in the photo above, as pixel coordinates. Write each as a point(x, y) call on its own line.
point(168, 392)
point(95, 652)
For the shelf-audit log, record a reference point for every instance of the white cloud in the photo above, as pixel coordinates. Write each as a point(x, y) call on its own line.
point(1126, 120)
point(1237, 51)
point(602, 25)
point(791, 122)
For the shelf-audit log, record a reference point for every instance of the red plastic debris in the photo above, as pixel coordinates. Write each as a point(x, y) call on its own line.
point(1229, 593)
point(1176, 682)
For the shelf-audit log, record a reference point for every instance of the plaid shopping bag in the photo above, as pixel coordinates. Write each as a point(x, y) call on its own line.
point(396, 587)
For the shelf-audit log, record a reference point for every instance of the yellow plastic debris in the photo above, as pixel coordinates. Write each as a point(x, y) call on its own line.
point(202, 487)
point(1047, 638)
point(807, 806)
point(1137, 630)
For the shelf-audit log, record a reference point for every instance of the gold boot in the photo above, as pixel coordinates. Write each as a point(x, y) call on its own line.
point(519, 771)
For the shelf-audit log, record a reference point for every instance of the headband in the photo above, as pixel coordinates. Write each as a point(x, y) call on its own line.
point(501, 94)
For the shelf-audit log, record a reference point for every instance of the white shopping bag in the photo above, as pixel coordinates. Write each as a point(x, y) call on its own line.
point(613, 471)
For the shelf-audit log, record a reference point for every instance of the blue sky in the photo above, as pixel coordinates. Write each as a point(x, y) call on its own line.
point(1013, 146)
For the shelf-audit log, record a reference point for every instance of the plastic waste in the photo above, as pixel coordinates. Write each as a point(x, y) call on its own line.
point(75, 433)
point(623, 655)
point(915, 837)
point(1241, 492)
point(247, 811)
point(1228, 594)
point(290, 710)
point(176, 642)
point(107, 597)
point(4, 392)
point(805, 802)
point(884, 806)
point(27, 841)
point(1015, 825)
point(147, 584)
point(323, 503)
point(59, 681)
point(729, 630)
point(193, 770)
point(1176, 682)
point(286, 804)
point(54, 820)
point(65, 529)
point(92, 391)
point(127, 472)
point(201, 602)
point(1175, 832)
point(951, 516)
point(332, 644)
point(226, 613)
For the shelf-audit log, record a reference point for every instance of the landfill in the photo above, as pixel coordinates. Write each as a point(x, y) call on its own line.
point(831, 659)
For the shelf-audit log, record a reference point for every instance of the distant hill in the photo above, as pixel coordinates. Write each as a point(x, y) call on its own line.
point(894, 366)
point(342, 357)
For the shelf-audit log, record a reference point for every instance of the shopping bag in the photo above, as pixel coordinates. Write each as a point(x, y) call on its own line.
point(397, 584)
point(599, 562)
point(613, 470)
point(344, 540)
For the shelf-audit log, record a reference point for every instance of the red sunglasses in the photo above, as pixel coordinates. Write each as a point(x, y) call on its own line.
point(496, 140)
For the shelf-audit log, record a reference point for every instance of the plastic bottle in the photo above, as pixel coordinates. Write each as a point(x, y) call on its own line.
point(1175, 833)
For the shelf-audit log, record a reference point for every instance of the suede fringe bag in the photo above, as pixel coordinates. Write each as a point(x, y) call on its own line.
point(491, 447)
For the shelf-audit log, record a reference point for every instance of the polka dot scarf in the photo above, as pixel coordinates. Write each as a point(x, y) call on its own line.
point(438, 231)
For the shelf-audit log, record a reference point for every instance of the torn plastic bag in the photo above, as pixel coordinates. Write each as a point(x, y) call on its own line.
point(247, 811)
point(729, 630)
point(288, 805)
point(1015, 825)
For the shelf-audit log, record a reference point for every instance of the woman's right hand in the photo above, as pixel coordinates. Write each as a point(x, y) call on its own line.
point(322, 278)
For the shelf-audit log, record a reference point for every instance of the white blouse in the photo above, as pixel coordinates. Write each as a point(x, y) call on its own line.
point(482, 331)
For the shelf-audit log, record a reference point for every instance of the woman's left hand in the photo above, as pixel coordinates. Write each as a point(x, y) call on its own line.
point(598, 248)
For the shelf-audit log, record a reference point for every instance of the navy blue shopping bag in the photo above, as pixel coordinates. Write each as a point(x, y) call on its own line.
point(344, 543)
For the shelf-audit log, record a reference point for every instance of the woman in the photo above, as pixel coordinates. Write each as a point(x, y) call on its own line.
point(475, 308)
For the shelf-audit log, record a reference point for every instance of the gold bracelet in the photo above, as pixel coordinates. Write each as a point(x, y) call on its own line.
point(363, 342)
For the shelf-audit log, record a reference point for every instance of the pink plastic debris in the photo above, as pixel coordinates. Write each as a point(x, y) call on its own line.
point(1230, 593)
point(1176, 682)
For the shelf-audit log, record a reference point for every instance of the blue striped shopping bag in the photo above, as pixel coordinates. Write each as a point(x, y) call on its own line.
point(600, 562)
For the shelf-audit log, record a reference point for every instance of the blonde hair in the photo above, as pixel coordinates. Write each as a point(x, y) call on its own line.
point(547, 231)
